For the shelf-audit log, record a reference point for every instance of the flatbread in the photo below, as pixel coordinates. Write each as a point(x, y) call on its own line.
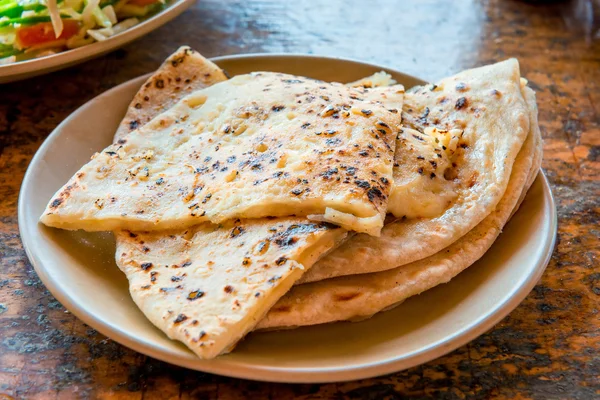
point(172, 273)
point(184, 72)
point(302, 147)
point(453, 158)
point(208, 286)
point(361, 296)
point(536, 163)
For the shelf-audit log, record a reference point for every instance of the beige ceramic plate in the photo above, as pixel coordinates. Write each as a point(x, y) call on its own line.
point(79, 268)
point(38, 66)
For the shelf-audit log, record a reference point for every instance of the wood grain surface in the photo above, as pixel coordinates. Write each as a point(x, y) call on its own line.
point(546, 349)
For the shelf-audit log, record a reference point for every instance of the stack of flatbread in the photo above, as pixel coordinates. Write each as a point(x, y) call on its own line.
point(271, 201)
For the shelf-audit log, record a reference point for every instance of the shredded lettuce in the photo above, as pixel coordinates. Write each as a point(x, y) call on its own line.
point(71, 13)
point(101, 18)
point(105, 33)
point(88, 12)
point(92, 15)
point(109, 11)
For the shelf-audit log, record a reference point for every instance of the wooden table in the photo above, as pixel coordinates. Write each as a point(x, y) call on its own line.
point(546, 349)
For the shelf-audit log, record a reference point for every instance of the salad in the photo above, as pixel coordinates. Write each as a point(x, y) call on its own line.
point(37, 28)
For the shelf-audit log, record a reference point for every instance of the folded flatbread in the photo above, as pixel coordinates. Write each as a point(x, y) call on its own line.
point(453, 162)
point(358, 297)
point(257, 145)
point(210, 284)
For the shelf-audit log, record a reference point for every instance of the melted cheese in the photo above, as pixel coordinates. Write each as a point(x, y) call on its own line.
point(423, 173)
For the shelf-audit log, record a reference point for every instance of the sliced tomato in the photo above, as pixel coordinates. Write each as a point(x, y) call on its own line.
point(43, 32)
point(142, 3)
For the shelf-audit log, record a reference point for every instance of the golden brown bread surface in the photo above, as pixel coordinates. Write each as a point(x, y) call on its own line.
point(183, 72)
point(469, 129)
point(302, 147)
point(208, 285)
point(357, 297)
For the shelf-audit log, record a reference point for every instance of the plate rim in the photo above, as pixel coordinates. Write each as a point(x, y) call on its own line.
point(278, 374)
point(39, 66)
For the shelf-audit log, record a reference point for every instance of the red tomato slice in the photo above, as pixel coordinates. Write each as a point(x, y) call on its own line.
point(142, 3)
point(43, 32)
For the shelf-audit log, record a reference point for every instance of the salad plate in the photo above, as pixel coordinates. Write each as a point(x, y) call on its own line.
point(129, 29)
point(79, 267)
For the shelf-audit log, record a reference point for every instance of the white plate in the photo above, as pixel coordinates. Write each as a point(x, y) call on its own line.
point(38, 66)
point(79, 268)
